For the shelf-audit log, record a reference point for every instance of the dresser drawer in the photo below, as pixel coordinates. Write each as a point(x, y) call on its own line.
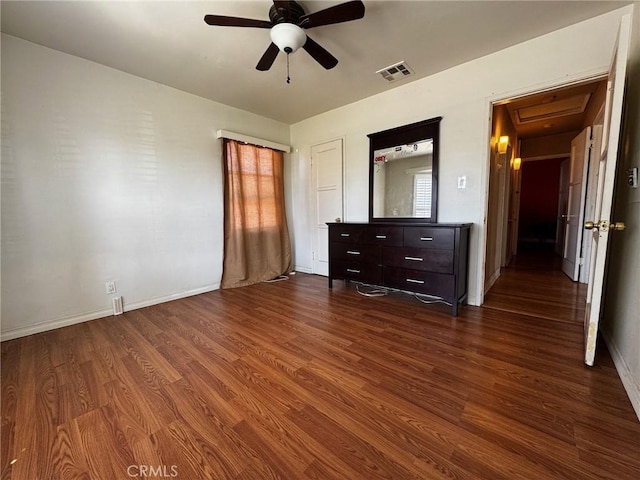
point(390, 236)
point(358, 271)
point(433, 260)
point(427, 237)
point(360, 253)
point(345, 233)
point(437, 284)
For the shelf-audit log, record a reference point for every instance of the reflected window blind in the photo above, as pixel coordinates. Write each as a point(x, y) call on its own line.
point(422, 195)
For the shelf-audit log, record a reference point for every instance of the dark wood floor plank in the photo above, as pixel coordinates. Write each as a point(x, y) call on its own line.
point(105, 453)
point(269, 422)
point(70, 457)
point(276, 466)
point(557, 456)
point(378, 427)
point(348, 446)
point(525, 410)
point(28, 422)
point(291, 380)
point(201, 456)
point(213, 419)
point(173, 450)
point(134, 415)
point(607, 463)
point(146, 357)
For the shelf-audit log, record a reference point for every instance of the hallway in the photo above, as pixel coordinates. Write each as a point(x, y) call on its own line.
point(534, 284)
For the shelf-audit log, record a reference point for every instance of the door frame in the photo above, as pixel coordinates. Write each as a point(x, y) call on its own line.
point(490, 102)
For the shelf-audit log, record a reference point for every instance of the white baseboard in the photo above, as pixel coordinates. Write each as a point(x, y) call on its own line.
point(53, 324)
point(85, 317)
point(629, 383)
point(168, 298)
point(303, 270)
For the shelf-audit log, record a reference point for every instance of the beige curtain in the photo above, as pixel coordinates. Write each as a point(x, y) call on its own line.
point(256, 237)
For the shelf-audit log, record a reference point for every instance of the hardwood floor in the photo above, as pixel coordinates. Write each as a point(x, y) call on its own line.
point(534, 284)
point(291, 380)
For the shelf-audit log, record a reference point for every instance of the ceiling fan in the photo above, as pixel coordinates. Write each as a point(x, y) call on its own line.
point(287, 19)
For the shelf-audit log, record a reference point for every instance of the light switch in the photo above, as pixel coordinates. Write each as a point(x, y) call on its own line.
point(632, 177)
point(462, 182)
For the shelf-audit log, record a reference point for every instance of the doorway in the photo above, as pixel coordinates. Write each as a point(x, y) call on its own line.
point(528, 199)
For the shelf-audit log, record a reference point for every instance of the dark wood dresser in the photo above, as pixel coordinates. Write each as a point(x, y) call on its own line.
point(423, 258)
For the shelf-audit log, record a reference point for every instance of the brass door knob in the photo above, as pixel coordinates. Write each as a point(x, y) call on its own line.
point(617, 226)
point(604, 225)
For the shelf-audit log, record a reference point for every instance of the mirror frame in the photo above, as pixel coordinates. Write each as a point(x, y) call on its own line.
point(403, 135)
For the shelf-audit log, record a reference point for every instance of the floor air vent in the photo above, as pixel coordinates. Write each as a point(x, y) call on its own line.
point(395, 72)
point(118, 308)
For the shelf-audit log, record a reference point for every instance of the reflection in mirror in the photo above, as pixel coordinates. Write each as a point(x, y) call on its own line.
point(403, 173)
point(402, 180)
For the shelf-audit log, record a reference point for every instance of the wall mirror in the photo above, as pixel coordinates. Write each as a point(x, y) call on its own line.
point(403, 173)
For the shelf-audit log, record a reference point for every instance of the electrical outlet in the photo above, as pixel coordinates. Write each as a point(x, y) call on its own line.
point(110, 287)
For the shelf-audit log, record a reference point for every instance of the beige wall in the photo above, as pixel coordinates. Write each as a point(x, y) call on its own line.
point(106, 176)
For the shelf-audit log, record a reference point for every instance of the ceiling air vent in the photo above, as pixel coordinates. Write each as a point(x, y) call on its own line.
point(395, 72)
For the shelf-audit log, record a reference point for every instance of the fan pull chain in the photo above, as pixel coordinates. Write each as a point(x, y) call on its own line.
point(288, 77)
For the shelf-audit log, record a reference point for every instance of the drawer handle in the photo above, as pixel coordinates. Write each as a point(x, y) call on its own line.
point(353, 252)
point(345, 235)
point(411, 280)
point(351, 270)
point(414, 259)
point(382, 237)
point(426, 239)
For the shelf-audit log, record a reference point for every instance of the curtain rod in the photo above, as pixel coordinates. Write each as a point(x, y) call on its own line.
point(253, 140)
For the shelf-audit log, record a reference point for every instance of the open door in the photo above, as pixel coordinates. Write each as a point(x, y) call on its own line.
point(578, 171)
point(326, 168)
point(563, 205)
point(601, 225)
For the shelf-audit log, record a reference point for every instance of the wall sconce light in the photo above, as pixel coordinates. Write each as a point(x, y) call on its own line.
point(503, 143)
point(517, 162)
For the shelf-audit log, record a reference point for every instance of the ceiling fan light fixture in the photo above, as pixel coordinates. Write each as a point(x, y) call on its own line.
point(288, 37)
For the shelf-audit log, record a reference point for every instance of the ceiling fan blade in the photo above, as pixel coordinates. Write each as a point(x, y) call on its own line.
point(319, 54)
point(224, 21)
point(268, 57)
point(345, 12)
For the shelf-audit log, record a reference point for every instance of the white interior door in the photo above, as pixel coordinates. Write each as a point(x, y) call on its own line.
point(326, 166)
point(579, 165)
point(592, 191)
point(606, 181)
point(563, 203)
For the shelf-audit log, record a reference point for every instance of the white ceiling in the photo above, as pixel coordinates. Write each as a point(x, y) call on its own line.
point(168, 42)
